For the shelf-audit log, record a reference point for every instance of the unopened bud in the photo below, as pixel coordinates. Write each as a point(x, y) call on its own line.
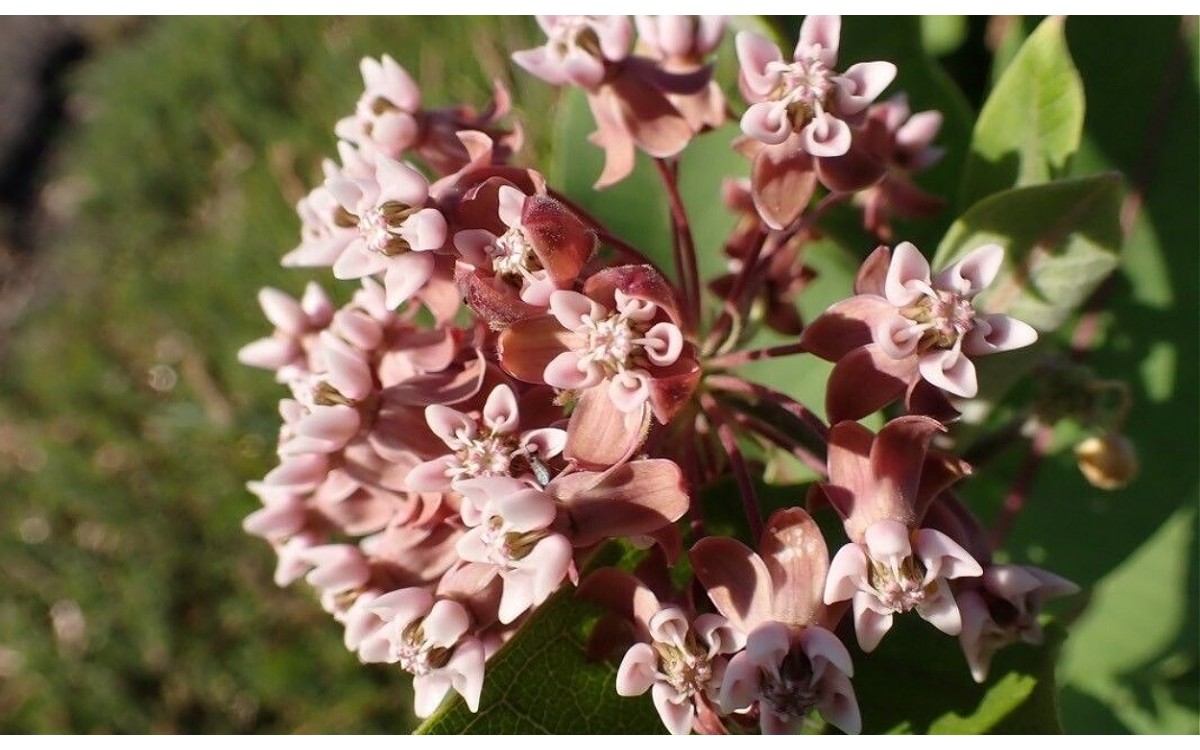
point(1108, 461)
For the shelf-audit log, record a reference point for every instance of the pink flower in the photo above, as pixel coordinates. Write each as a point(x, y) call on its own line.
point(485, 447)
point(296, 322)
point(880, 487)
point(1004, 609)
point(806, 96)
point(679, 659)
point(791, 663)
point(396, 233)
point(577, 49)
point(430, 639)
point(385, 116)
point(509, 529)
point(906, 325)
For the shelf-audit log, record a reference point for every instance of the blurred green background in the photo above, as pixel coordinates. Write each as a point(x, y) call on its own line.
point(130, 599)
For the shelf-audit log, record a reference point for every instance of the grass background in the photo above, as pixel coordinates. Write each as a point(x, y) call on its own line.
point(131, 601)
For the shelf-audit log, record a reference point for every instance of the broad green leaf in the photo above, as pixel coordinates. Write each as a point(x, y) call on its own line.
point(1031, 123)
point(917, 682)
point(541, 682)
point(1061, 240)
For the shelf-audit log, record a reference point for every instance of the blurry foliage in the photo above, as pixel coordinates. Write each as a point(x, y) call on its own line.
point(130, 600)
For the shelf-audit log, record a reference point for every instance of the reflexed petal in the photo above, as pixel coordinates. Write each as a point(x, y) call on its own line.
point(907, 276)
point(974, 272)
point(601, 435)
point(951, 371)
point(466, 671)
point(622, 593)
point(737, 581)
point(635, 499)
point(472, 245)
point(628, 390)
point(837, 703)
point(428, 692)
point(820, 644)
point(997, 333)
point(636, 673)
point(793, 550)
point(528, 345)
point(866, 380)
point(897, 460)
point(783, 182)
point(269, 353)
point(449, 424)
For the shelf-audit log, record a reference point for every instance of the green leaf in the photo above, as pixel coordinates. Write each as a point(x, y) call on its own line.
point(1061, 239)
point(1032, 121)
point(917, 682)
point(541, 682)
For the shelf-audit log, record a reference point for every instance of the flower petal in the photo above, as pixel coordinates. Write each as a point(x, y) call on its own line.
point(736, 579)
point(974, 271)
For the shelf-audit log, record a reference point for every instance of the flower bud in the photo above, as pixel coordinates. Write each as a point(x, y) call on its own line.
point(1108, 461)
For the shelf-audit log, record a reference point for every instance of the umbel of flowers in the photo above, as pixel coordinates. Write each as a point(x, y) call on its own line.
point(511, 386)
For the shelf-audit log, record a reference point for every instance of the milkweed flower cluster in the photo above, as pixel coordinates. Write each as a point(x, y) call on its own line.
point(510, 386)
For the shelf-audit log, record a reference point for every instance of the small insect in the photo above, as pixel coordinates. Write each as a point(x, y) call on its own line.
point(540, 471)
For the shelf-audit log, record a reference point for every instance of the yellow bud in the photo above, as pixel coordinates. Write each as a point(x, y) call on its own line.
point(1108, 461)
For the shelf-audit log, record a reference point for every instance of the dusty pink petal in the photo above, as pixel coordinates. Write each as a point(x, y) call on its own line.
point(358, 328)
point(560, 240)
point(941, 611)
point(446, 622)
point(669, 625)
point(300, 473)
point(767, 122)
point(896, 335)
point(845, 326)
point(819, 37)
point(663, 343)
point(951, 371)
point(826, 135)
point(337, 567)
point(943, 557)
point(428, 692)
point(847, 574)
point(601, 435)
point(655, 125)
point(283, 311)
point(849, 458)
point(888, 542)
point(919, 131)
point(861, 84)
point(869, 626)
point(539, 63)
point(635, 499)
point(278, 520)
point(793, 550)
point(768, 644)
point(636, 673)
point(997, 332)
point(357, 261)
point(269, 353)
point(569, 308)
point(517, 596)
point(865, 380)
point(348, 193)
point(581, 69)
point(837, 704)
point(399, 182)
point(974, 271)
point(721, 637)
point(403, 606)
point(741, 684)
point(472, 246)
point(612, 135)
point(425, 230)
point(524, 510)
point(737, 581)
point(348, 372)
point(677, 713)
point(431, 476)
point(754, 53)
point(621, 593)
point(907, 276)
point(547, 565)
point(820, 645)
point(510, 202)
point(466, 671)
point(976, 618)
point(405, 275)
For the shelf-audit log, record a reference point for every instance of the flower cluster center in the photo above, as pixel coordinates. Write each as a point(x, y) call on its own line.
point(791, 692)
point(900, 588)
point(804, 87)
point(611, 341)
point(512, 255)
point(380, 228)
point(416, 655)
point(944, 317)
point(686, 668)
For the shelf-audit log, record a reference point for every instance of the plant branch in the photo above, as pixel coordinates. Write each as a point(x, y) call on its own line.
point(737, 463)
point(683, 246)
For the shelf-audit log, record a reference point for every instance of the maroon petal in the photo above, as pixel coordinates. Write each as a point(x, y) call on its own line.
point(672, 386)
point(621, 593)
point(845, 326)
point(649, 117)
point(736, 579)
point(855, 170)
point(873, 272)
point(850, 458)
point(493, 300)
point(865, 380)
point(797, 559)
point(560, 240)
point(527, 346)
point(940, 471)
point(599, 434)
point(897, 459)
point(783, 183)
point(635, 499)
point(638, 281)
